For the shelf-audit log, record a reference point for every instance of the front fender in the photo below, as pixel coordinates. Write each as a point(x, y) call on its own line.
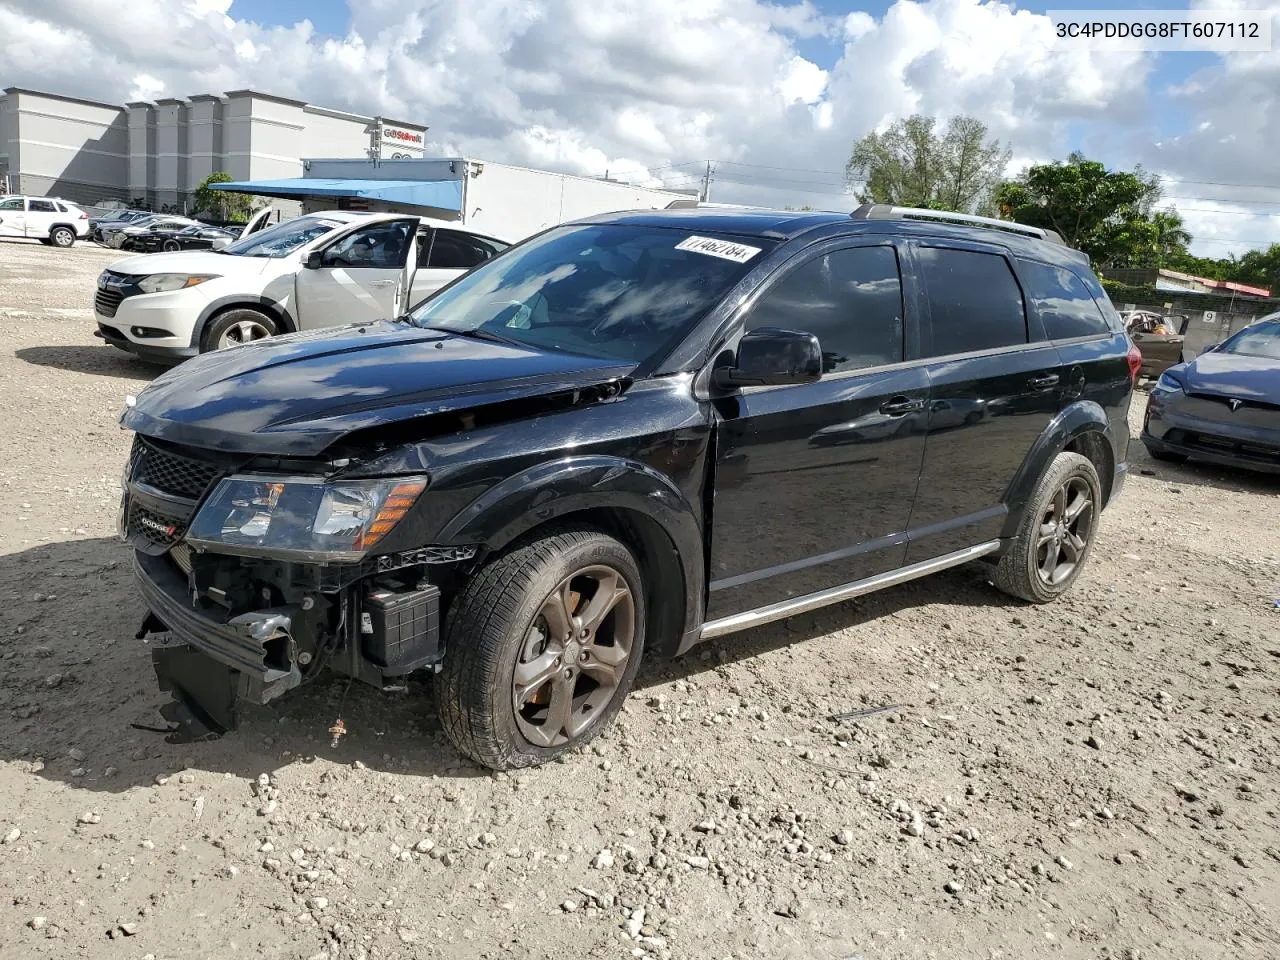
point(573, 485)
point(1071, 422)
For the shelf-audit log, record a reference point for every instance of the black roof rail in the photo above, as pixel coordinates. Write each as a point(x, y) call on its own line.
point(887, 211)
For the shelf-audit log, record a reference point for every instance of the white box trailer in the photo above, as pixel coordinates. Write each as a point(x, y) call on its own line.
point(496, 198)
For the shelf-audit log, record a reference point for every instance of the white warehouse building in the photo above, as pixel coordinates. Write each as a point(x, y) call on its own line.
point(157, 153)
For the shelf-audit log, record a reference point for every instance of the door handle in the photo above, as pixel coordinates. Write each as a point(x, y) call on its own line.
point(1043, 382)
point(381, 283)
point(900, 406)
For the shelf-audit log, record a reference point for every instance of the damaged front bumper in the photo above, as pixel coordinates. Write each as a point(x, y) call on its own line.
point(212, 664)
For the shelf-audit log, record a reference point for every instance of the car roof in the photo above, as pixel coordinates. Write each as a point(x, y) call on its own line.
point(352, 216)
point(789, 224)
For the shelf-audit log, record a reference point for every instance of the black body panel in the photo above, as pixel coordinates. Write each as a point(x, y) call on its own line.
point(736, 498)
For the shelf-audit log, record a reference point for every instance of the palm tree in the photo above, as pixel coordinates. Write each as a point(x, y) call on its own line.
point(1168, 235)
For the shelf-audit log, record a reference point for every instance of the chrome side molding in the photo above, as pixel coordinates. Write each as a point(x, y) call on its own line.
point(812, 601)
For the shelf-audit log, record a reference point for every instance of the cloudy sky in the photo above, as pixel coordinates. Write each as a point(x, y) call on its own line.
point(774, 92)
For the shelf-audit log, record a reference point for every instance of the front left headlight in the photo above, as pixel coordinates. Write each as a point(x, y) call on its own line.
point(303, 518)
point(164, 282)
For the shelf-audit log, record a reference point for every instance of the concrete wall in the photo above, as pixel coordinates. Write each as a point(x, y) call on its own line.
point(329, 133)
point(339, 169)
point(77, 149)
point(9, 145)
point(142, 152)
point(261, 137)
point(171, 153)
point(158, 153)
point(204, 138)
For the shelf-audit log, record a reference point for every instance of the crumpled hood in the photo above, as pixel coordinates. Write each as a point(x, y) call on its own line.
point(298, 394)
point(1234, 375)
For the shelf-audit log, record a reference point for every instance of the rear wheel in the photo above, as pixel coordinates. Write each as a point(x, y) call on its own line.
point(1056, 535)
point(171, 246)
point(241, 325)
point(541, 649)
point(62, 236)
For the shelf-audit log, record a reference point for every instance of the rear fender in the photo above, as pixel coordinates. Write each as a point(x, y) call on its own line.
point(1070, 424)
point(641, 496)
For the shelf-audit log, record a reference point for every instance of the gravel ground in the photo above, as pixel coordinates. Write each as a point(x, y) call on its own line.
point(1095, 778)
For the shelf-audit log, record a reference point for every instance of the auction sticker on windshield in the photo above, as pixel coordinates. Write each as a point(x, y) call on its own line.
point(724, 249)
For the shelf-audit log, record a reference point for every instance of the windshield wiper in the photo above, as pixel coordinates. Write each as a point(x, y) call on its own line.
point(479, 333)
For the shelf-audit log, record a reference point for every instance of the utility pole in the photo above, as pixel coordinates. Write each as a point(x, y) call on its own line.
point(705, 196)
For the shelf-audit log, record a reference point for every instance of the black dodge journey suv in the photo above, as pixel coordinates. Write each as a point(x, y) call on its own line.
point(616, 439)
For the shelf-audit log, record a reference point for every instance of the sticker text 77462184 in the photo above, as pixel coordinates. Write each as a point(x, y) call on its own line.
point(724, 249)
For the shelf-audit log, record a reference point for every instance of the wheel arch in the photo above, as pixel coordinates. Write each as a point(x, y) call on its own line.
point(284, 322)
point(627, 499)
point(63, 226)
point(1080, 428)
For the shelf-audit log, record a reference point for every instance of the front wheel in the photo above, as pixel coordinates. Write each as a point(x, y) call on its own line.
point(541, 649)
point(1057, 531)
point(62, 236)
point(234, 327)
point(171, 246)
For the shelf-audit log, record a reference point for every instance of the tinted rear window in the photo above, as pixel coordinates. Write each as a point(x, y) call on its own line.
point(975, 302)
point(1063, 301)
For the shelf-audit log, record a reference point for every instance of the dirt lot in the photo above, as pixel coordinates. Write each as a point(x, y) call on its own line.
point(1096, 778)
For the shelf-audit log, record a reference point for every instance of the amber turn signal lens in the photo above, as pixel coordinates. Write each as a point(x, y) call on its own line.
point(402, 497)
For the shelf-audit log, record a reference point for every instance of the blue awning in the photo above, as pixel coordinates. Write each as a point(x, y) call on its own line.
point(441, 194)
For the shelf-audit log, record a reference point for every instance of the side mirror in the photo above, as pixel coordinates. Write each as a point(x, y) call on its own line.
point(772, 357)
point(314, 261)
point(1206, 349)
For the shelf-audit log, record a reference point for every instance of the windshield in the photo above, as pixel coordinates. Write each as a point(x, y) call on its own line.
point(609, 290)
point(1261, 339)
point(283, 238)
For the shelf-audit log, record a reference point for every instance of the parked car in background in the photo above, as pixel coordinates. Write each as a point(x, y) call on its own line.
point(117, 218)
point(198, 236)
point(319, 270)
point(1224, 406)
point(598, 447)
point(122, 236)
point(52, 221)
point(1161, 339)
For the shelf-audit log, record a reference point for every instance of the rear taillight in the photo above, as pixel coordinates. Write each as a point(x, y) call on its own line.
point(84, 216)
point(1134, 356)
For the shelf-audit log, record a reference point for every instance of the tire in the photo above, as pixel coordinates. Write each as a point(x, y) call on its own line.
point(500, 622)
point(62, 237)
point(171, 246)
point(236, 326)
point(1021, 572)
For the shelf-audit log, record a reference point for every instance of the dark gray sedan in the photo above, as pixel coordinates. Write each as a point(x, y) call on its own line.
point(1224, 406)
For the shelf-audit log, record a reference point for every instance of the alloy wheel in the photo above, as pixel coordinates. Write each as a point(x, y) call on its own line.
point(246, 331)
point(574, 656)
point(1065, 528)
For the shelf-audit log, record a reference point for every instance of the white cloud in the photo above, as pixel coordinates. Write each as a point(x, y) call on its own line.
point(590, 85)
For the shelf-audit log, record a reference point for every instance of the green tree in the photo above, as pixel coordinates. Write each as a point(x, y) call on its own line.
point(912, 165)
point(1260, 268)
point(1105, 213)
point(235, 207)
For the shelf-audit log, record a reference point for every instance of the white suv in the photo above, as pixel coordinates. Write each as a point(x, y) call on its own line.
point(52, 221)
point(318, 270)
